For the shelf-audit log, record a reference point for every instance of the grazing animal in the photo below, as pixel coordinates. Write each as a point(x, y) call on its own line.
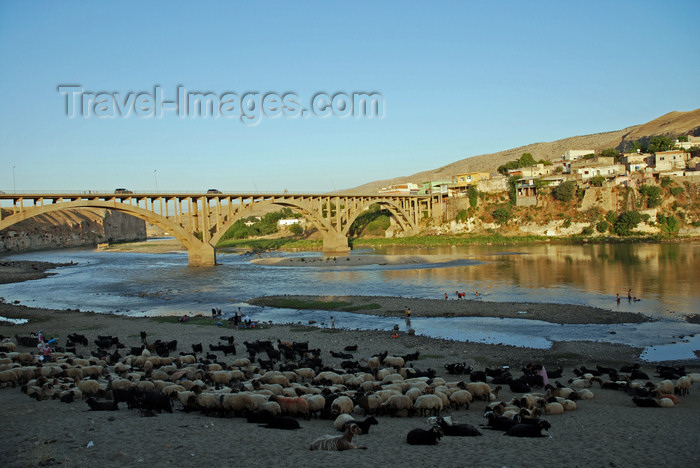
point(281, 422)
point(338, 443)
point(527, 430)
point(363, 425)
point(351, 348)
point(102, 405)
point(458, 368)
point(460, 430)
point(424, 437)
point(649, 402)
point(75, 338)
point(499, 423)
point(197, 348)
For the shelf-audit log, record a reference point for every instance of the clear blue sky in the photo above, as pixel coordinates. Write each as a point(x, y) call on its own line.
point(458, 79)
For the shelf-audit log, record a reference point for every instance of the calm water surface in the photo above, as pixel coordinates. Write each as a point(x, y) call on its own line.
point(662, 275)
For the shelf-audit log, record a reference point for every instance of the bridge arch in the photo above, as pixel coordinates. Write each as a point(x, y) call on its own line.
point(198, 251)
point(334, 235)
point(407, 224)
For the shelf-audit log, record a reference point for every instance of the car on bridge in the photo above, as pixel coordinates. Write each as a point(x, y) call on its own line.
point(213, 190)
point(122, 191)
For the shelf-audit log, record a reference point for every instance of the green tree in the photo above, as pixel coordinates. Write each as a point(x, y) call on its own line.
point(660, 143)
point(675, 191)
point(626, 222)
point(296, 229)
point(473, 194)
point(565, 191)
point(462, 216)
point(501, 215)
point(597, 181)
point(611, 217)
point(668, 224)
point(511, 187)
point(602, 226)
point(526, 160)
point(652, 195)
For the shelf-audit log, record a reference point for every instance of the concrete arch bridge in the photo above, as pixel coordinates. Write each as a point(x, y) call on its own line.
point(200, 220)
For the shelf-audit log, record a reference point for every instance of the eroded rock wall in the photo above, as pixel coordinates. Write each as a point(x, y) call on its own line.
point(74, 228)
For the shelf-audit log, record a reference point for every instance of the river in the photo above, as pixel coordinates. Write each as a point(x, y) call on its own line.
point(661, 275)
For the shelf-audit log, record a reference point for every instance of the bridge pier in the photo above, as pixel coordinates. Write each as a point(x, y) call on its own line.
point(335, 244)
point(202, 255)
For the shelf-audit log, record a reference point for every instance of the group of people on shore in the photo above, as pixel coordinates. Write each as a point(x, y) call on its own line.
point(238, 319)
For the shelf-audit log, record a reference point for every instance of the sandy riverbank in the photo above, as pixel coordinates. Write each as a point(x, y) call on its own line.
point(12, 271)
point(357, 260)
point(387, 306)
point(603, 431)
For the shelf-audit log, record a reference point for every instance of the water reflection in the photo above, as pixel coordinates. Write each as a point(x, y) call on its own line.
point(162, 284)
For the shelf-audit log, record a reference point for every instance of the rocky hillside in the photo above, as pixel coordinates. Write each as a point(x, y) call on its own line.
point(673, 123)
point(73, 228)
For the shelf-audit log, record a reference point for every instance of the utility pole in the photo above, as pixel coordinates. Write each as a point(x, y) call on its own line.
point(14, 183)
point(155, 176)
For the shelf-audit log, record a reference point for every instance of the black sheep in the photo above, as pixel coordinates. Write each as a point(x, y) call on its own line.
point(459, 430)
point(423, 437)
point(526, 430)
point(499, 423)
point(281, 422)
point(102, 405)
point(364, 425)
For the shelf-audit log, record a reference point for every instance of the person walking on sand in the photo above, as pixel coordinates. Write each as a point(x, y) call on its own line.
point(629, 294)
point(332, 322)
point(445, 296)
point(618, 298)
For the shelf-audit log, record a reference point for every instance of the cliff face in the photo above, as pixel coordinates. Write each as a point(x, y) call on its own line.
point(74, 228)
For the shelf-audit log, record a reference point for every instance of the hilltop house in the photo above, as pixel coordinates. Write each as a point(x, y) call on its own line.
point(599, 166)
point(434, 187)
point(666, 161)
point(407, 188)
point(637, 162)
point(573, 155)
point(685, 145)
point(525, 192)
point(532, 171)
point(461, 182)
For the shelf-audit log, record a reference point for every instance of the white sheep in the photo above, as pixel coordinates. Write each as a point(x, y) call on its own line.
point(428, 404)
point(341, 420)
point(394, 361)
point(338, 443)
point(479, 390)
point(342, 405)
point(332, 377)
point(683, 385)
point(316, 403)
point(461, 398)
point(397, 405)
point(293, 406)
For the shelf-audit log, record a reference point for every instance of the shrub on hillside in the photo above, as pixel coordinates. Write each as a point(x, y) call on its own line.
point(626, 222)
point(501, 215)
point(565, 191)
point(652, 195)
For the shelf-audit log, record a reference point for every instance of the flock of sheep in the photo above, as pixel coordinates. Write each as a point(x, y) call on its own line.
point(293, 383)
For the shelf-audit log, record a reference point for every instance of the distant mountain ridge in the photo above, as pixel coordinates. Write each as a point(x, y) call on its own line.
point(673, 123)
